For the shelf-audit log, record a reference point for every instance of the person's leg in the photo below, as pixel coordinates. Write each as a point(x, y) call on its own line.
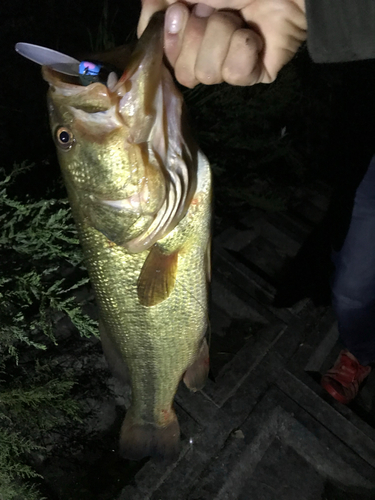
point(353, 293)
point(353, 287)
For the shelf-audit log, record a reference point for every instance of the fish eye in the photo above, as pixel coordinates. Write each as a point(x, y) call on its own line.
point(64, 138)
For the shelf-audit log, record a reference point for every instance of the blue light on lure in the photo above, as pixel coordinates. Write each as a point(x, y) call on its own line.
point(92, 71)
point(87, 71)
point(89, 68)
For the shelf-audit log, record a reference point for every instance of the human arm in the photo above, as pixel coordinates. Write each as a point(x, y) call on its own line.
point(341, 30)
point(257, 38)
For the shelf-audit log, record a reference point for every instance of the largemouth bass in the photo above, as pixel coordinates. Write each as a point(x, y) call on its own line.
point(140, 192)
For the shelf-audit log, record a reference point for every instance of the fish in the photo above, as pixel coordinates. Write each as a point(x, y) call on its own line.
point(140, 191)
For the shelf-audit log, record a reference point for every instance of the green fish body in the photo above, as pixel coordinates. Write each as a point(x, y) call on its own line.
point(140, 192)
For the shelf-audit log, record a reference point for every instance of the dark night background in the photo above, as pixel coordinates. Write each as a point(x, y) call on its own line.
point(326, 112)
point(63, 26)
point(329, 117)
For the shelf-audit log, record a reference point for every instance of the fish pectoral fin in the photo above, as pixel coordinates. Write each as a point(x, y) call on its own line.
point(196, 375)
point(157, 278)
point(139, 440)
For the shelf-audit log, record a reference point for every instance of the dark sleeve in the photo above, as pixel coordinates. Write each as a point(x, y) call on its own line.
point(340, 30)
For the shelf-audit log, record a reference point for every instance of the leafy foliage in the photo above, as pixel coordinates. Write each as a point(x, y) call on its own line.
point(39, 243)
point(41, 272)
point(27, 411)
point(12, 469)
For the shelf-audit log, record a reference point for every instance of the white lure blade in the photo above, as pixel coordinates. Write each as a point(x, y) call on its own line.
point(48, 57)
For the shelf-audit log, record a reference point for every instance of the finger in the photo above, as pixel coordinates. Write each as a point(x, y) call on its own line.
point(192, 40)
point(149, 7)
point(243, 64)
point(214, 48)
point(176, 18)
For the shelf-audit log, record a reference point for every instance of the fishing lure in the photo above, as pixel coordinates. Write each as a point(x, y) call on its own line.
point(87, 71)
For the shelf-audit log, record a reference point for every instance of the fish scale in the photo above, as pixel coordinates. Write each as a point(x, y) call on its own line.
point(155, 371)
point(140, 192)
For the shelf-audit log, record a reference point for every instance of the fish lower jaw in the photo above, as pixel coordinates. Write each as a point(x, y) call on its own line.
point(132, 203)
point(136, 201)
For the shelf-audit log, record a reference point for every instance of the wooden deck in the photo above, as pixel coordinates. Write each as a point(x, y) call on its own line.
point(262, 428)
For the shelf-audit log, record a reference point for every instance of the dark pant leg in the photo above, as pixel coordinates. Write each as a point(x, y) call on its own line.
point(353, 285)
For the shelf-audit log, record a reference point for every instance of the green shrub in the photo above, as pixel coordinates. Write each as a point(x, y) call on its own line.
point(40, 271)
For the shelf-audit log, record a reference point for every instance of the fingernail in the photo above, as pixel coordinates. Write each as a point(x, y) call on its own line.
point(173, 19)
point(202, 10)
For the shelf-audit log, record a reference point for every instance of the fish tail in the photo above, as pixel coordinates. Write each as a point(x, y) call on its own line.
point(143, 440)
point(196, 375)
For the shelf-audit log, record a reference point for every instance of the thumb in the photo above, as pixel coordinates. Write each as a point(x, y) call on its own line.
point(149, 7)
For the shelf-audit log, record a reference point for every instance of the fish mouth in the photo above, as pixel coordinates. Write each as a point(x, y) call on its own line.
point(70, 85)
point(93, 98)
point(115, 80)
point(145, 103)
point(57, 79)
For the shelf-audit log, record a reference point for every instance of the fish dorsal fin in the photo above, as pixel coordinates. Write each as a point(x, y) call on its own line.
point(157, 278)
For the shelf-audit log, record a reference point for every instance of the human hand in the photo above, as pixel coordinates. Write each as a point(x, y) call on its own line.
point(247, 43)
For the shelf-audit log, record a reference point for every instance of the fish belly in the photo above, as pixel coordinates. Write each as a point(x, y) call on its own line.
point(157, 343)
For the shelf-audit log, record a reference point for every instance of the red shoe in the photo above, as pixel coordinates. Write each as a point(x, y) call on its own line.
point(342, 381)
